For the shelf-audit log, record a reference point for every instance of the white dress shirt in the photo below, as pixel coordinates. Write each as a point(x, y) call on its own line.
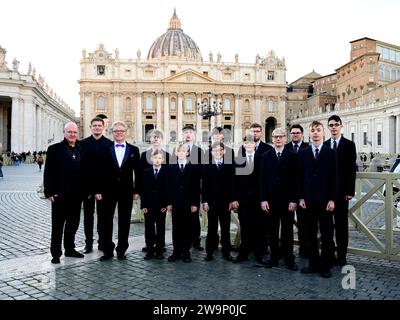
point(120, 152)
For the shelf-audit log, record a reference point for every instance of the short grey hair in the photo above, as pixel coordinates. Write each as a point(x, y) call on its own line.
point(279, 131)
point(119, 123)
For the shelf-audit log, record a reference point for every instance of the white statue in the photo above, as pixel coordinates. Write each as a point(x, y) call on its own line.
point(138, 53)
point(116, 51)
point(236, 58)
point(84, 53)
point(3, 63)
point(33, 73)
point(29, 69)
point(15, 64)
point(219, 57)
point(210, 55)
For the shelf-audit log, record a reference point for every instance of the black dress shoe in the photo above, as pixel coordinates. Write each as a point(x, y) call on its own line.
point(228, 257)
point(73, 254)
point(209, 257)
point(106, 257)
point(88, 249)
point(148, 256)
point(55, 260)
point(240, 258)
point(272, 263)
point(172, 258)
point(121, 256)
point(145, 249)
point(309, 270)
point(292, 266)
point(159, 256)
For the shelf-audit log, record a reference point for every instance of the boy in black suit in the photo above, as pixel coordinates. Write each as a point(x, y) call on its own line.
point(154, 202)
point(120, 162)
point(253, 228)
point(317, 173)
point(297, 144)
point(346, 162)
point(278, 197)
point(216, 197)
point(185, 199)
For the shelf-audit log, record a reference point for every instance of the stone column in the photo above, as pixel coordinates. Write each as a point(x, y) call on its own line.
point(39, 128)
point(199, 121)
point(16, 125)
point(158, 114)
point(282, 112)
point(257, 111)
point(238, 129)
point(397, 136)
point(166, 118)
point(117, 107)
point(139, 129)
point(180, 116)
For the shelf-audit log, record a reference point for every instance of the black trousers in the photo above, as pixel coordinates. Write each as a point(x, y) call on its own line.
point(253, 228)
point(281, 219)
point(88, 219)
point(341, 221)
point(65, 216)
point(302, 233)
point(154, 230)
point(196, 229)
point(222, 215)
point(106, 221)
point(182, 233)
point(319, 217)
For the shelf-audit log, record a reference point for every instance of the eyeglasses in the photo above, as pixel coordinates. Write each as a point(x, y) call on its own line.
point(278, 137)
point(295, 133)
point(331, 125)
point(119, 131)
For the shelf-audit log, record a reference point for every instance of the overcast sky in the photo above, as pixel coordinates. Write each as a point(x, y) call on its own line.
point(309, 34)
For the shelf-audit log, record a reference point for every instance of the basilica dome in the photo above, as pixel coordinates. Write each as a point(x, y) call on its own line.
point(175, 44)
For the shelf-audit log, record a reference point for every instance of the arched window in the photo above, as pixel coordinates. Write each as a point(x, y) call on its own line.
point(128, 104)
point(247, 104)
point(149, 103)
point(227, 104)
point(189, 103)
point(173, 104)
point(101, 103)
point(270, 105)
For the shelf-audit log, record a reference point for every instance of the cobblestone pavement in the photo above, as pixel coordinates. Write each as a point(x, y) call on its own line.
point(26, 271)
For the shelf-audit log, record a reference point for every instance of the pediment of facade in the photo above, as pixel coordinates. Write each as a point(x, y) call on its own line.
point(189, 76)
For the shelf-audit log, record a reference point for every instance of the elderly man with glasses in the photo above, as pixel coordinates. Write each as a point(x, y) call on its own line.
point(119, 161)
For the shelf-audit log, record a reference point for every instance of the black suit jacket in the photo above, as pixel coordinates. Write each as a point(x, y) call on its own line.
point(115, 179)
point(317, 178)
point(217, 185)
point(91, 149)
point(246, 180)
point(347, 167)
point(303, 145)
point(184, 187)
point(155, 191)
point(262, 148)
point(62, 173)
point(278, 178)
point(146, 155)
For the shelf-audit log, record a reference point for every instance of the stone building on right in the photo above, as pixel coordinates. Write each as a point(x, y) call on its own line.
point(365, 93)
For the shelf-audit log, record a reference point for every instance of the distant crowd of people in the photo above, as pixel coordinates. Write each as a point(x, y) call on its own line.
point(268, 185)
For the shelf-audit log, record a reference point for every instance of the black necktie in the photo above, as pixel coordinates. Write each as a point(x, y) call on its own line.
point(316, 154)
point(219, 165)
point(279, 155)
point(155, 173)
point(296, 147)
point(182, 167)
point(334, 145)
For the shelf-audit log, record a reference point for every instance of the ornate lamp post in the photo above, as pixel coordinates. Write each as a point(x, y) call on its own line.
point(207, 110)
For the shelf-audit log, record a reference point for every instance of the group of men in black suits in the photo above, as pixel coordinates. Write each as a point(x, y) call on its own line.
point(267, 184)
